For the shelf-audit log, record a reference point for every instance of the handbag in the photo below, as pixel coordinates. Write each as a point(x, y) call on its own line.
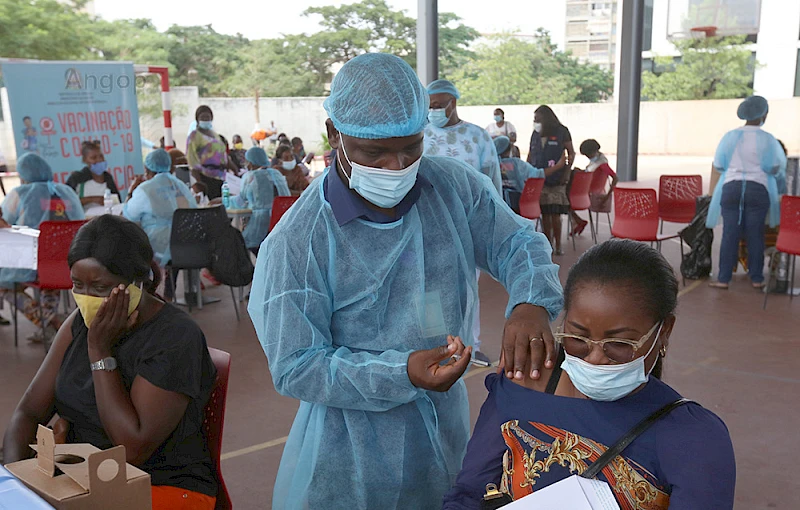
point(494, 498)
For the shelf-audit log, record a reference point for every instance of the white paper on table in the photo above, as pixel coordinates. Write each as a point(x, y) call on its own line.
point(234, 184)
point(20, 248)
point(573, 493)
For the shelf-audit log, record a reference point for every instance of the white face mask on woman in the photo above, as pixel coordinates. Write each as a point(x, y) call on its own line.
point(537, 127)
point(607, 383)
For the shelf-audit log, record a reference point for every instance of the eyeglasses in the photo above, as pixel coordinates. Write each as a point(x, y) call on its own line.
point(620, 350)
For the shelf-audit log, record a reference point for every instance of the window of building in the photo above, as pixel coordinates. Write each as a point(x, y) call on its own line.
point(578, 48)
point(647, 36)
point(577, 28)
point(578, 10)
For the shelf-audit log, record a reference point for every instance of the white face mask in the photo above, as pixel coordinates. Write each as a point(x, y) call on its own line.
point(607, 383)
point(289, 165)
point(537, 127)
point(384, 188)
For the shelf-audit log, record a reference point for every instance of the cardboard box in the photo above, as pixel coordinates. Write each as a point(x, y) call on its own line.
point(83, 477)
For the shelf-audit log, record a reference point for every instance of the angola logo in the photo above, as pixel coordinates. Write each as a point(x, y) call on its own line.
point(73, 79)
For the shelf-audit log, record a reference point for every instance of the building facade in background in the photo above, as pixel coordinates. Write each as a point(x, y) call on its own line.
point(591, 31)
point(773, 31)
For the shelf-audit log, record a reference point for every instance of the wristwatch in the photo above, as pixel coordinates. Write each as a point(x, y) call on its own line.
point(107, 364)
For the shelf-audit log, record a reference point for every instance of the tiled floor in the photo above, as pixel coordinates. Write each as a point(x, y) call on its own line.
point(737, 360)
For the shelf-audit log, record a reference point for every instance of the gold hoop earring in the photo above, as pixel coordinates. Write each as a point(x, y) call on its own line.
point(663, 351)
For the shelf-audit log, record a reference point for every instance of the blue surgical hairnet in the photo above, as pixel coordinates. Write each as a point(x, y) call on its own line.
point(376, 96)
point(443, 87)
point(33, 168)
point(256, 156)
point(158, 161)
point(258, 193)
point(752, 108)
point(501, 144)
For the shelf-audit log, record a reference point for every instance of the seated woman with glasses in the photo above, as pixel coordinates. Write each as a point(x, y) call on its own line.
point(620, 301)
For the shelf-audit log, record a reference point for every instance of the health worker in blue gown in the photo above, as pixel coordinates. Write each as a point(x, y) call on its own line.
point(364, 289)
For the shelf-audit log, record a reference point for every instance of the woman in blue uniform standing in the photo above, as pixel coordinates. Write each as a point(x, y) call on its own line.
point(749, 163)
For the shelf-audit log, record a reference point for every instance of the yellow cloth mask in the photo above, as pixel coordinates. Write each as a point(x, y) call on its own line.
point(89, 305)
point(238, 146)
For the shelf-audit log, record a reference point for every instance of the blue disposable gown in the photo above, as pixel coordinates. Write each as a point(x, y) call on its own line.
point(773, 163)
point(29, 205)
point(516, 172)
point(339, 308)
point(152, 206)
point(258, 193)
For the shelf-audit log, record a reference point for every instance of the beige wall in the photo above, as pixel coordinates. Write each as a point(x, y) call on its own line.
point(690, 128)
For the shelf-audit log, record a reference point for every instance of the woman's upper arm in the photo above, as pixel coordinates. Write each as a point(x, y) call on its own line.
point(39, 398)
point(700, 432)
point(159, 410)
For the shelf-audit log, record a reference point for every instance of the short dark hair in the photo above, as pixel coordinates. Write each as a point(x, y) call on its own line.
point(589, 146)
point(121, 246)
point(27, 117)
point(296, 140)
point(639, 268)
point(282, 149)
point(201, 109)
point(500, 110)
point(90, 145)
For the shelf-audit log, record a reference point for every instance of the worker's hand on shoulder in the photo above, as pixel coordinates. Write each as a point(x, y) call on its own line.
point(426, 372)
point(527, 335)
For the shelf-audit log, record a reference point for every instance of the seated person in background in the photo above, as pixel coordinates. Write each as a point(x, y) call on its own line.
point(37, 199)
point(514, 172)
point(93, 180)
point(178, 158)
point(500, 127)
point(620, 301)
point(152, 203)
point(514, 149)
point(260, 186)
point(598, 163)
point(300, 151)
point(237, 153)
point(288, 167)
point(149, 392)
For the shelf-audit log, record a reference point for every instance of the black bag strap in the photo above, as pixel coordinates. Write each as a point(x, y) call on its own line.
point(628, 438)
point(555, 376)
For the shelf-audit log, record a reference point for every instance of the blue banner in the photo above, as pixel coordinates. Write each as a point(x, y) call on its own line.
point(55, 106)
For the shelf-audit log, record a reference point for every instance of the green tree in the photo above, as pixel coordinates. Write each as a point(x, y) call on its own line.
point(710, 68)
point(44, 29)
point(510, 70)
point(205, 58)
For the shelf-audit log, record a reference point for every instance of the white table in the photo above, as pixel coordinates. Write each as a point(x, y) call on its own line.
point(20, 248)
point(99, 210)
point(238, 216)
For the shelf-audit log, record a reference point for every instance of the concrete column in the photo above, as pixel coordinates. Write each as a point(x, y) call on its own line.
point(630, 84)
point(427, 40)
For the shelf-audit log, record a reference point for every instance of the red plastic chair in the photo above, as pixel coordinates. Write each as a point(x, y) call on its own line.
point(677, 196)
point(214, 419)
point(579, 200)
point(529, 200)
point(636, 217)
point(55, 238)
point(788, 238)
point(279, 208)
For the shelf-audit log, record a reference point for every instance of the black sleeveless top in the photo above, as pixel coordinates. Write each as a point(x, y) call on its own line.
point(170, 352)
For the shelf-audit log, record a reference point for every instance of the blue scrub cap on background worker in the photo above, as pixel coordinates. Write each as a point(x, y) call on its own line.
point(158, 161)
point(256, 156)
point(33, 168)
point(377, 96)
point(752, 108)
point(501, 144)
point(443, 87)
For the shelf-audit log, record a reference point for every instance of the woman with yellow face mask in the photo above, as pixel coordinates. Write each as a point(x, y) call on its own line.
point(125, 368)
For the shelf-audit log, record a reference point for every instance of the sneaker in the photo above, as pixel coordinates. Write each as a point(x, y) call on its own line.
point(480, 359)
